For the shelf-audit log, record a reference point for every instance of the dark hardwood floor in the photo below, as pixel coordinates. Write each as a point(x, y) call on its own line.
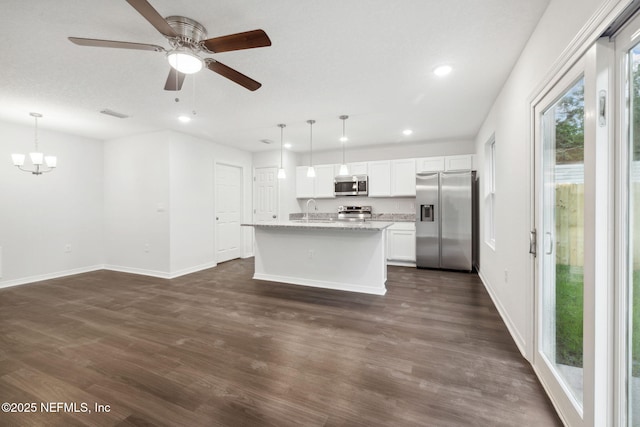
point(218, 348)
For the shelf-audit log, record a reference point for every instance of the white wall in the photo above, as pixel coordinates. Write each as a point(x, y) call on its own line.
point(391, 151)
point(159, 202)
point(192, 215)
point(193, 199)
point(509, 118)
point(136, 195)
point(41, 215)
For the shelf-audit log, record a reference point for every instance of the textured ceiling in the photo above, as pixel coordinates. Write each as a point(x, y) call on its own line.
point(370, 59)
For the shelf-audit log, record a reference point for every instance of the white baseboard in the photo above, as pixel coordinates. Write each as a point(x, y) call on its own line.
point(401, 263)
point(121, 269)
point(140, 271)
point(322, 284)
point(48, 276)
point(193, 269)
point(517, 338)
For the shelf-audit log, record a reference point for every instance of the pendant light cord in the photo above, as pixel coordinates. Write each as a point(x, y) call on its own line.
point(281, 143)
point(343, 142)
point(36, 133)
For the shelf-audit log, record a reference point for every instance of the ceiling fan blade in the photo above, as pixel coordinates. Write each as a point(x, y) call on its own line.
point(239, 41)
point(233, 75)
point(174, 80)
point(113, 43)
point(150, 14)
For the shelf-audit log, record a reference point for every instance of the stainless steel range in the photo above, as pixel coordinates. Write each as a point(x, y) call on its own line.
point(354, 213)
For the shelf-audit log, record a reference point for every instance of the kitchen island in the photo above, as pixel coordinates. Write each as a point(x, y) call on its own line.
point(348, 256)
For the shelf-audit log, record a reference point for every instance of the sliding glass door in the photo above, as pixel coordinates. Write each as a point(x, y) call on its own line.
point(571, 188)
point(628, 49)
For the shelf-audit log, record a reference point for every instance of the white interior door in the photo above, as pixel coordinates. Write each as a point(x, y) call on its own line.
point(265, 195)
point(228, 212)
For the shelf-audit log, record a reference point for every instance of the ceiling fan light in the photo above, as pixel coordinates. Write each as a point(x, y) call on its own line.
point(18, 159)
point(185, 61)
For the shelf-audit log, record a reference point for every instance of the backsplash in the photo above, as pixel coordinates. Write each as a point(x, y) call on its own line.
point(391, 217)
point(380, 205)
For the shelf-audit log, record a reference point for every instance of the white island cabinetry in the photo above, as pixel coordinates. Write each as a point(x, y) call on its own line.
point(333, 255)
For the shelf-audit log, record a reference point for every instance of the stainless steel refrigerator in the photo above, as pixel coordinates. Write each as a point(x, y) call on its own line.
point(446, 213)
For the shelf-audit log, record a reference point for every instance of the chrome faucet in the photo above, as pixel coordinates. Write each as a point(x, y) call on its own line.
point(314, 205)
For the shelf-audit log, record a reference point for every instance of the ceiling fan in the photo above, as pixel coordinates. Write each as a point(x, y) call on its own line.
point(188, 39)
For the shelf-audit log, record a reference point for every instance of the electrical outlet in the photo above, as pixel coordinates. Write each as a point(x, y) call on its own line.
point(146, 247)
point(67, 248)
point(310, 254)
point(506, 276)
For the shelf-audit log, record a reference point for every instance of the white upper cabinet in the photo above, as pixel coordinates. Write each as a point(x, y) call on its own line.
point(380, 178)
point(430, 164)
point(358, 168)
point(304, 184)
point(319, 187)
point(403, 177)
point(392, 178)
point(464, 162)
point(324, 185)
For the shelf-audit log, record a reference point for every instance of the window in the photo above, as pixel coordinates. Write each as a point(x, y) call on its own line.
point(490, 192)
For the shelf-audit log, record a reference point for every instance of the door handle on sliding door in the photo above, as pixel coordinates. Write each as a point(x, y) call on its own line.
point(549, 243)
point(532, 243)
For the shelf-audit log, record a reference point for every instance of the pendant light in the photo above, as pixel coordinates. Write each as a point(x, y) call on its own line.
point(281, 173)
point(344, 170)
point(311, 172)
point(37, 156)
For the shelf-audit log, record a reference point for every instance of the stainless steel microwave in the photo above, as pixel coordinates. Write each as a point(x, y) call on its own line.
point(351, 185)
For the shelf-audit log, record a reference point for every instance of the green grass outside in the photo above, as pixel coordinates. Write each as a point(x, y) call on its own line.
point(569, 317)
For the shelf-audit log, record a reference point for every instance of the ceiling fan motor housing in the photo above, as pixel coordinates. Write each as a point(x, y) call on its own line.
point(190, 32)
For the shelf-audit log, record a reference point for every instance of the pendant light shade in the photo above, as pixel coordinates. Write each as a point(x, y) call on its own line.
point(344, 170)
point(281, 173)
point(311, 172)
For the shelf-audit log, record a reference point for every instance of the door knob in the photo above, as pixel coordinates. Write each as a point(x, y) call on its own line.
point(274, 216)
point(217, 218)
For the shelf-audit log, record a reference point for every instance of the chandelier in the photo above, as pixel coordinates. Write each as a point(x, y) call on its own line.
point(36, 156)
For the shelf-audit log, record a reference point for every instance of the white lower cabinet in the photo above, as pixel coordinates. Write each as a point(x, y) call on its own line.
point(401, 244)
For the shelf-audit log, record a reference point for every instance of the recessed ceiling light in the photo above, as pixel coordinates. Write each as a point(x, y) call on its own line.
point(184, 119)
point(287, 145)
point(407, 132)
point(442, 70)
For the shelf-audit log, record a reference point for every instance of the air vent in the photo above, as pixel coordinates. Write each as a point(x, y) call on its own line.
point(266, 141)
point(114, 113)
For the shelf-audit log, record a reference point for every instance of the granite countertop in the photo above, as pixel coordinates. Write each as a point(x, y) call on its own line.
point(317, 224)
point(386, 217)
